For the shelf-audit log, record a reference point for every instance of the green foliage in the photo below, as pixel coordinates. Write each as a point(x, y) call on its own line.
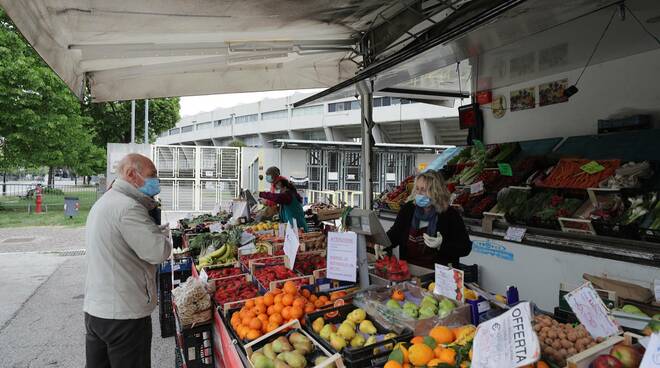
point(237, 143)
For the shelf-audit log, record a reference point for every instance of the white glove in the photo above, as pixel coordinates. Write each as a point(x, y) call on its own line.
point(165, 226)
point(432, 242)
point(379, 251)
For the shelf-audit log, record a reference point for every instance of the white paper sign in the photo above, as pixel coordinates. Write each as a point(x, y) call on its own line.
point(342, 256)
point(656, 286)
point(239, 209)
point(477, 187)
point(246, 238)
point(448, 282)
point(281, 230)
point(652, 356)
point(515, 234)
point(215, 227)
point(291, 245)
point(507, 340)
point(203, 276)
point(591, 311)
point(247, 249)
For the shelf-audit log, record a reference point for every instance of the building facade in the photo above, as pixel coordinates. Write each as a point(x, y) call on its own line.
point(397, 120)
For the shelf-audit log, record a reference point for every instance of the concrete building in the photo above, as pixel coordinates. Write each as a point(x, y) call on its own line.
point(397, 120)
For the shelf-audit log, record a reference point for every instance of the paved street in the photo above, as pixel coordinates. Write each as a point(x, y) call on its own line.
point(41, 320)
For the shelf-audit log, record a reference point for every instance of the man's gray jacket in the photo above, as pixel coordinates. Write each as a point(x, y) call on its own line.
point(124, 245)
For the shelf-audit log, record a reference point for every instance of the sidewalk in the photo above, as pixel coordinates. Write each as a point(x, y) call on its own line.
point(41, 318)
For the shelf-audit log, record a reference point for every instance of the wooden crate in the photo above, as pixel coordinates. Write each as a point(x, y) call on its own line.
point(583, 359)
point(335, 359)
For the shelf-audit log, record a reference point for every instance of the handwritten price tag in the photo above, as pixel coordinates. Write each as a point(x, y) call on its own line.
point(477, 187)
point(505, 169)
point(515, 233)
point(591, 311)
point(592, 167)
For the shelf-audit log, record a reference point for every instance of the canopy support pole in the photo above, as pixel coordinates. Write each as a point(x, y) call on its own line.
point(367, 108)
point(133, 121)
point(146, 121)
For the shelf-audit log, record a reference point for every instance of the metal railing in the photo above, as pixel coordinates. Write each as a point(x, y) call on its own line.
point(340, 198)
point(22, 196)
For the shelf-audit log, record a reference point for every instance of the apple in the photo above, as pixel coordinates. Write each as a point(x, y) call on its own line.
point(629, 356)
point(606, 361)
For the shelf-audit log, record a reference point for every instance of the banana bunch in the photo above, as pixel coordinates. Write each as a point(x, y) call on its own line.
point(262, 246)
point(225, 254)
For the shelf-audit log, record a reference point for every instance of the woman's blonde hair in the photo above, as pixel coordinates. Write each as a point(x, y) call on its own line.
point(437, 189)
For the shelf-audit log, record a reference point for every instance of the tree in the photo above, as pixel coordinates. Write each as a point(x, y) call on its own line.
point(41, 119)
point(111, 121)
point(236, 143)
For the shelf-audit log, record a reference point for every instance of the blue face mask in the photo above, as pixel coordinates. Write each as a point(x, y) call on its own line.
point(151, 187)
point(422, 200)
point(269, 178)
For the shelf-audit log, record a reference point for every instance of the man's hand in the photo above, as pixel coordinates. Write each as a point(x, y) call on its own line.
point(433, 242)
point(165, 229)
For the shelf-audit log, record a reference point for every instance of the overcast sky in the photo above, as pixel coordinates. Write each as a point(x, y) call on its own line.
point(196, 104)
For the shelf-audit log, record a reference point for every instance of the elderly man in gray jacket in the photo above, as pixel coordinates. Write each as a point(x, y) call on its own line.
point(124, 245)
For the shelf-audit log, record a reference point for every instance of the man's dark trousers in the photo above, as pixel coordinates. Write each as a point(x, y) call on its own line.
point(116, 343)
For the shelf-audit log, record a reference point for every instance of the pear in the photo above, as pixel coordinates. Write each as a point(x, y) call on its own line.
point(426, 312)
point(430, 299)
point(393, 304)
point(281, 344)
point(259, 360)
point(318, 324)
point(370, 340)
point(346, 331)
point(388, 336)
point(295, 360)
point(358, 341)
point(350, 323)
point(367, 327)
point(268, 351)
point(446, 304)
point(410, 312)
point(320, 359)
point(280, 364)
point(281, 356)
point(409, 305)
point(297, 337)
point(326, 331)
point(303, 348)
point(357, 315)
point(337, 342)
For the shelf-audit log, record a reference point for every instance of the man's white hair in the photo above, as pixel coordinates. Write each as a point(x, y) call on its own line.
point(131, 161)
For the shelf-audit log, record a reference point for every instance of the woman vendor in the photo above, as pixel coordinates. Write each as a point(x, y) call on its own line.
point(427, 230)
point(290, 203)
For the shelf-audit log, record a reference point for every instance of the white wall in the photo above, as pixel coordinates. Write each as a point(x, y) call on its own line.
point(294, 163)
point(620, 87)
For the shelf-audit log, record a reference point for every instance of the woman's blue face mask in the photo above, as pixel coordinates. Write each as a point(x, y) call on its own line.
point(422, 200)
point(269, 178)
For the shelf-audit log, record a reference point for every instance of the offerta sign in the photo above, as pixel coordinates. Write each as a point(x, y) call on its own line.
point(507, 341)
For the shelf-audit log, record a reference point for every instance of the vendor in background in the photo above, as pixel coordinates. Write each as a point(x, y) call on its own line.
point(272, 174)
point(287, 197)
point(427, 230)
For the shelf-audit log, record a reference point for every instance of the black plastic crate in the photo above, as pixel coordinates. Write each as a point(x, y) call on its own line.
point(470, 272)
point(196, 345)
point(615, 230)
point(357, 357)
point(183, 270)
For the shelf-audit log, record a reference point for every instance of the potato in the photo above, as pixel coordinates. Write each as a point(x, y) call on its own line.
point(556, 345)
point(562, 335)
point(572, 336)
point(537, 327)
point(572, 351)
point(566, 344)
point(552, 334)
point(545, 329)
point(549, 341)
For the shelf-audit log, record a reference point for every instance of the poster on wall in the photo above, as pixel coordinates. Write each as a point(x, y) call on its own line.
point(523, 99)
point(499, 106)
point(553, 92)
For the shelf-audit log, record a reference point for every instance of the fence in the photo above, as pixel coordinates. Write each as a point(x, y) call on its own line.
point(22, 197)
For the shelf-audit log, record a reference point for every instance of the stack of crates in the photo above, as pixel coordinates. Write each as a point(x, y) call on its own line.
point(170, 274)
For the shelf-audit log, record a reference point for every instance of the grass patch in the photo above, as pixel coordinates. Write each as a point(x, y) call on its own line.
point(51, 218)
point(14, 210)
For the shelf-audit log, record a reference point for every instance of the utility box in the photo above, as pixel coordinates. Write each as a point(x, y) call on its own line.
point(71, 206)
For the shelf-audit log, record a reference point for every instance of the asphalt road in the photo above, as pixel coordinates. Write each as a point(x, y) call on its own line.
point(41, 297)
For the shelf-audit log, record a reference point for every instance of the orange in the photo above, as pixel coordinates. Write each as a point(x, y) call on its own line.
point(309, 308)
point(442, 335)
point(276, 291)
point(242, 331)
point(253, 334)
point(249, 314)
point(278, 298)
point(417, 340)
point(299, 302)
point(278, 308)
point(407, 365)
point(446, 355)
point(260, 309)
point(392, 364)
point(271, 310)
point(287, 299)
point(290, 288)
point(249, 303)
point(433, 363)
point(313, 298)
point(296, 312)
point(269, 299)
point(324, 299)
point(398, 295)
point(306, 293)
point(318, 304)
point(275, 318)
point(272, 326)
point(263, 318)
point(286, 313)
point(420, 354)
point(337, 295)
point(246, 320)
point(259, 300)
point(255, 324)
point(402, 347)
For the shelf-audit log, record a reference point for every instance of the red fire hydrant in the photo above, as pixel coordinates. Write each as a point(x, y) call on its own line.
point(38, 199)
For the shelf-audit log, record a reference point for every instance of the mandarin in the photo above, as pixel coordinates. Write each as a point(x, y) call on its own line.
point(253, 334)
point(287, 299)
point(290, 288)
point(269, 299)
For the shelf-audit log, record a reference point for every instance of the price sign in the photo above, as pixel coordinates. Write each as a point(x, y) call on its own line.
point(651, 357)
point(505, 169)
point(449, 282)
point(281, 230)
point(291, 245)
point(591, 311)
point(515, 234)
point(592, 167)
point(248, 249)
point(477, 187)
point(507, 340)
point(342, 256)
point(215, 227)
point(203, 276)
